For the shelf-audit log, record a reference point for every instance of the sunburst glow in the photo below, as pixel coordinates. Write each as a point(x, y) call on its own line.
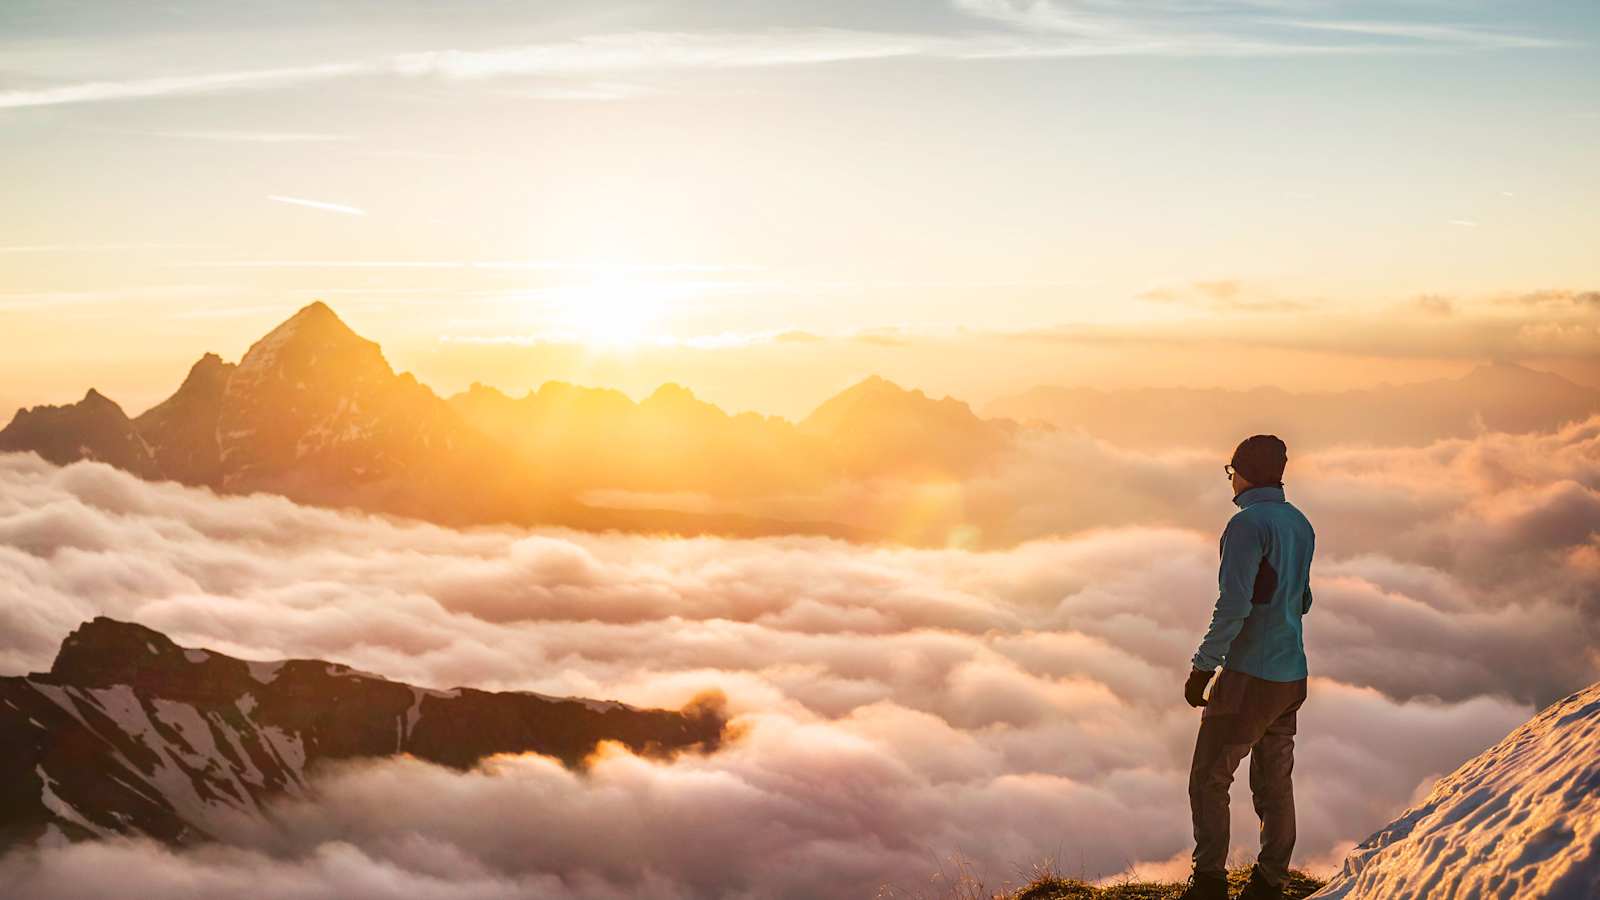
point(611, 310)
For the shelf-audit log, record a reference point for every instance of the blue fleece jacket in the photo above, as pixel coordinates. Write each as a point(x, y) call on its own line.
point(1264, 585)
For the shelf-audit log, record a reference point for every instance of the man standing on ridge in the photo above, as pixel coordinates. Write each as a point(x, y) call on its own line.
point(1264, 589)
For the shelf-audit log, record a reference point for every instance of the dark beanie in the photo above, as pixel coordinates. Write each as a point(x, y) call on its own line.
point(1260, 459)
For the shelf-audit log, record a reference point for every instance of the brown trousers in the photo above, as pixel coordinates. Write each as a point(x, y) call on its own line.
point(1246, 715)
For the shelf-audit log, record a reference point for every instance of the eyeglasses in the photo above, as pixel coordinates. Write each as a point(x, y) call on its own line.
point(1229, 469)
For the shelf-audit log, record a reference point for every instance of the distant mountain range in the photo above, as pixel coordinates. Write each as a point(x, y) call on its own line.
point(129, 733)
point(315, 413)
point(1492, 397)
point(672, 441)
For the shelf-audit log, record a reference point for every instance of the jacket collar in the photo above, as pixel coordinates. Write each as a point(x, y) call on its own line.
point(1258, 494)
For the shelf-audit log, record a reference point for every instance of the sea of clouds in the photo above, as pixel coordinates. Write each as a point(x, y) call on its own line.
point(894, 710)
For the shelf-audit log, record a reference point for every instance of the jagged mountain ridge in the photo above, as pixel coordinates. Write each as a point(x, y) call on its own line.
point(1521, 819)
point(314, 412)
point(93, 428)
point(128, 733)
point(594, 436)
point(874, 428)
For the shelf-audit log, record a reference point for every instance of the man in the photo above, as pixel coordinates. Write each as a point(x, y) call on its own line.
point(1255, 635)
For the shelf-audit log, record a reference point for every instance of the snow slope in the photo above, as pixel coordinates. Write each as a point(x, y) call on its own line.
point(1521, 821)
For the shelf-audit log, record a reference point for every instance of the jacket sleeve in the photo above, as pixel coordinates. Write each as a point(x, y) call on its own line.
point(1241, 549)
point(1305, 600)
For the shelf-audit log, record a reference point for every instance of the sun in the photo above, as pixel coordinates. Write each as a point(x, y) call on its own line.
point(612, 309)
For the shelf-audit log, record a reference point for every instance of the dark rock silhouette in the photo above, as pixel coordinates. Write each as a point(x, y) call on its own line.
point(129, 733)
point(93, 428)
point(182, 430)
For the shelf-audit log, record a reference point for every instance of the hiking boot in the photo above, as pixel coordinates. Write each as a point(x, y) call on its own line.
point(1206, 887)
point(1259, 889)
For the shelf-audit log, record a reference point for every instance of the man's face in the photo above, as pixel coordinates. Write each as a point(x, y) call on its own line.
point(1239, 484)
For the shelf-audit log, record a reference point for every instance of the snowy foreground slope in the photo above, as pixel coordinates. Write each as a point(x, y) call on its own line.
point(1520, 821)
point(128, 733)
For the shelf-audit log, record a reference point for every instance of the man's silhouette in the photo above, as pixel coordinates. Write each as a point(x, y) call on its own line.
point(1264, 589)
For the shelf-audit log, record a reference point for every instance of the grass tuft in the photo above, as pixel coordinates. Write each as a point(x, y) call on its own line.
point(1049, 886)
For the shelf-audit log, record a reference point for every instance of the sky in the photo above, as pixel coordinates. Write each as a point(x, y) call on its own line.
point(632, 193)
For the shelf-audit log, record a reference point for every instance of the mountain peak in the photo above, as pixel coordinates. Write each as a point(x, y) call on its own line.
point(206, 363)
point(100, 650)
point(182, 429)
point(94, 398)
point(877, 384)
point(313, 338)
point(208, 372)
point(316, 319)
point(316, 310)
point(672, 393)
point(877, 426)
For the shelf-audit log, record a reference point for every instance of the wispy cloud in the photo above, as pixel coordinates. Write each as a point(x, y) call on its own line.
point(629, 51)
point(252, 137)
point(1463, 223)
point(562, 265)
point(318, 204)
point(586, 91)
point(1223, 28)
point(1226, 294)
point(1026, 28)
point(210, 82)
point(1459, 35)
point(92, 248)
point(20, 300)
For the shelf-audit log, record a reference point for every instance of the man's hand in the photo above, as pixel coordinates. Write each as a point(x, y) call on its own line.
point(1194, 690)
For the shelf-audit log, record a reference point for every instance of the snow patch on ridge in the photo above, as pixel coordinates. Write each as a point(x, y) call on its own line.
point(414, 713)
point(264, 672)
point(1522, 819)
point(60, 808)
point(594, 705)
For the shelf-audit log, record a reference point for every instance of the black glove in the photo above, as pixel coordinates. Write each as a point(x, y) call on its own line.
point(1194, 690)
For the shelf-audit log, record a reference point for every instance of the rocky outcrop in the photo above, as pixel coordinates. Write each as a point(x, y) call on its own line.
point(128, 733)
point(93, 428)
point(181, 431)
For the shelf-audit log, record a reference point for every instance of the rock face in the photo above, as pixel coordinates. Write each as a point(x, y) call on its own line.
point(877, 427)
point(1521, 820)
point(93, 428)
point(313, 412)
point(182, 430)
point(129, 733)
